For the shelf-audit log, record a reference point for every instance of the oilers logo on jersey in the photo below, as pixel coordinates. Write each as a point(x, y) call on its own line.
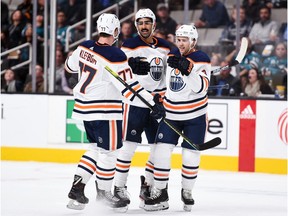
point(176, 82)
point(156, 68)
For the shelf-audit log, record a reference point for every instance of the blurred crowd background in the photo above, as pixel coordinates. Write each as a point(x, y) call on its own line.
point(221, 24)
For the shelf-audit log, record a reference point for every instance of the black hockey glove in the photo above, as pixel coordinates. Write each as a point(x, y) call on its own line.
point(158, 111)
point(181, 63)
point(139, 65)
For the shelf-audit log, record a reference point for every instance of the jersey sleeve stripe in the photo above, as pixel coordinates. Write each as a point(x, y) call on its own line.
point(129, 93)
point(188, 106)
point(202, 85)
point(206, 81)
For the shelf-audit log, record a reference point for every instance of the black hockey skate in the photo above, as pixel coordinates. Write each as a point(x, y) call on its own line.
point(76, 194)
point(144, 191)
point(110, 200)
point(157, 201)
point(186, 197)
point(122, 194)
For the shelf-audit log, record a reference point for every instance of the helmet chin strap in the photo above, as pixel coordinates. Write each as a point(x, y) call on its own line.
point(115, 37)
point(115, 40)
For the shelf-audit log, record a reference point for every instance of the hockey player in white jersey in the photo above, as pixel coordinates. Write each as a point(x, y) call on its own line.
point(98, 102)
point(185, 102)
point(136, 119)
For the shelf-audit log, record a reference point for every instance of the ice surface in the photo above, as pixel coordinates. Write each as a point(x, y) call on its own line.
point(40, 189)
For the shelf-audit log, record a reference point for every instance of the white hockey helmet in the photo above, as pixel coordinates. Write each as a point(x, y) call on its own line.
point(108, 23)
point(189, 31)
point(145, 13)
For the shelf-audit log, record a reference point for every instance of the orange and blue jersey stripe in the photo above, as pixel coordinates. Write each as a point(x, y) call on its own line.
point(185, 107)
point(98, 106)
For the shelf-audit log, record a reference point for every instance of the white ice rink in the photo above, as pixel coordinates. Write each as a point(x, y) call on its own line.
point(40, 189)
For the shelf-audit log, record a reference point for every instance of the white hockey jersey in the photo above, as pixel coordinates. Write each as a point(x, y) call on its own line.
point(156, 54)
point(186, 96)
point(98, 95)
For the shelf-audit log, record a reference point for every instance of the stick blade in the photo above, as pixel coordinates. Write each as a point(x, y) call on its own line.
point(242, 51)
point(210, 144)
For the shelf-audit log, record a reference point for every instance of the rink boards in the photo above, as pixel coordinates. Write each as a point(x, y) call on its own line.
point(253, 132)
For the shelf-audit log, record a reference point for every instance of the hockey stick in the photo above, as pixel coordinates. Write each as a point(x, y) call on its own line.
point(238, 59)
point(225, 86)
point(207, 145)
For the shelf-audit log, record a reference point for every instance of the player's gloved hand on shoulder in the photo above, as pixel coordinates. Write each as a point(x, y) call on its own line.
point(158, 111)
point(139, 65)
point(181, 63)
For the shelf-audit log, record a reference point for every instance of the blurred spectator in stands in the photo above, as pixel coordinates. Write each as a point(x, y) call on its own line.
point(27, 36)
point(4, 40)
point(265, 30)
point(4, 16)
point(62, 27)
point(171, 39)
point(126, 31)
point(276, 3)
point(275, 67)
point(214, 15)
point(230, 31)
point(164, 21)
point(10, 59)
point(162, 34)
point(73, 13)
point(195, 4)
point(10, 83)
point(252, 9)
point(283, 32)
point(97, 7)
point(61, 85)
point(15, 28)
point(125, 9)
point(14, 39)
point(256, 84)
point(152, 4)
point(39, 80)
point(107, 3)
point(41, 6)
point(40, 27)
point(225, 77)
point(215, 60)
point(59, 46)
point(251, 59)
point(26, 7)
point(284, 83)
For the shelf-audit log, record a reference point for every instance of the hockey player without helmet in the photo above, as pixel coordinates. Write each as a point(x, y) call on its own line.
point(189, 31)
point(108, 23)
point(145, 13)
